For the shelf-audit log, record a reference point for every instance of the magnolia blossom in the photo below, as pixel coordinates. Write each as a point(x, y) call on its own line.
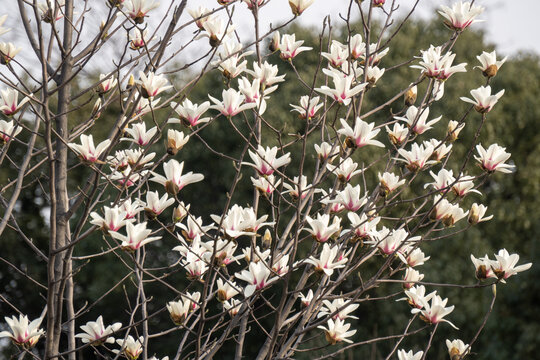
point(194, 266)
point(416, 296)
point(266, 73)
point(308, 107)
point(127, 176)
point(411, 277)
point(137, 9)
point(389, 182)
point(8, 52)
point(281, 266)
point(476, 215)
point(349, 198)
point(328, 260)
point(265, 161)
point(320, 227)
point(457, 349)
point(222, 252)
point(299, 6)
point(87, 151)
point(240, 221)
point(461, 15)
point(325, 151)
point(300, 186)
point(179, 310)
point(443, 179)
point(226, 290)
point(345, 170)
point(114, 218)
point(96, 333)
point(418, 157)
point(342, 92)
point(447, 212)
point(483, 269)
point(138, 39)
point(8, 130)
point(173, 180)
point(198, 15)
point(216, 30)
point(361, 135)
point(231, 104)
point(410, 355)
point(453, 130)
point(139, 135)
point(266, 185)
point(175, 141)
point(492, 159)
point(137, 236)
point(415, 257)
point(9, 103)
point(257, 277)
point(505, 265)
point(51, 10)
point(306, 300)
point(464, 185)
point(339, 309)
point(375, 54)
point(483, 100)
point(289, 47)
point(338, 54)
point(391, 241)
point(361, 226)
point(440, 149)
point(130, 347)
point(434, 311)
point(22, 332)
point(155, 205)
point(255, 254)
point(397, 134)
point(190, 113)
point(436, 65)
point(418, 121)
point(489, 64)
point(152, 84)
point(337, 331)
point(194, 228)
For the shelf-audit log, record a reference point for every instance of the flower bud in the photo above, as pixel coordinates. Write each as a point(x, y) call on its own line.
point(378, 3)
point(267, 239)
point(180, 212)
point(410, 96)
point(453, 130)
point(131, 82)
point(274, 43)
point(490, 71)
point(96, 110)
point(474, 214)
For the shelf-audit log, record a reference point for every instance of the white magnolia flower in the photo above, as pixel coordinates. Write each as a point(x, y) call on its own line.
point(361, 226)
point(232, 306)
point(306, 300)
point(198, 15)
point(130, 347)
point(339, 308)
point(447, 212)
point(175, 141)
point(139, 135)
point(492, 159)
point(8, 52)
point(114, 218)
point(361, 135)
point(152, 84)
point(457, 349)
point(299, 6)
point(337, 331)
point(464, 186)
point(328, 260)
point(416, 296)
point(265, 160)
point(266, 185)
point(231, 104)
point(289, 47)
point(483, 100)
point(436, 65)
point(342, 91)
point(489, 63)
point(9, 103)
point(440, 149)
point(226, 290)
point(8, 130)
point(505, 265)
point(137, 9)
point(461, 15)
point(299, 186)
point(349, 198)
point(418, 157)
point(137, 236)
point(266, 73)
point(106, 83)
point(155, 205)
point(418, 122)
point(173, 180)
point(258, 277)
point(453, 130)
point(338, 54)
point(139, 39)
point(87, 151)
point(216, 30)
point(415, 257)
point(476, 215)
point(22, 332)
point(321, 230)
point(326, 151)
point(179, 310)
point(308, 107)
point(194, 228)
point(96, 333)
point(345, 170)
point(434, 311)
point(190, 113)
point(397, 134)
point(51, 10)
point(410, 355)
point(389, 182)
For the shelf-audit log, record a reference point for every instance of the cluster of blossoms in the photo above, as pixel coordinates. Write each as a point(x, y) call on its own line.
point(338, 218)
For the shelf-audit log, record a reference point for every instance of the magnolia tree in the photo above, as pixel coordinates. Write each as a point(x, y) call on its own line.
point(310, 228)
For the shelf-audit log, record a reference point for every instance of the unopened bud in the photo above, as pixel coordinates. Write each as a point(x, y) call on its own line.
point(378, 3)
point(453, 130)
point(267, 239)
point(474, 215)
point(180, 212)
point(490, 71)
point(274, 43)
point(410, 96)
point(96, 110)
point(131, 81)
